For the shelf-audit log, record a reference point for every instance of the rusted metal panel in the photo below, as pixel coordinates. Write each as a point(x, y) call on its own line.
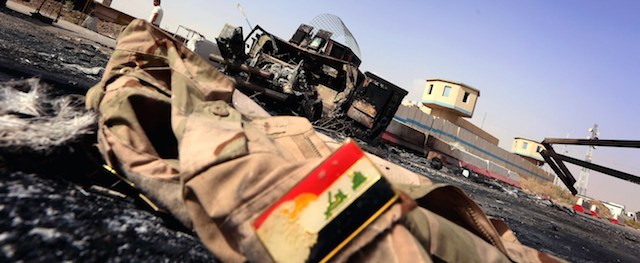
point(302, 34)
point(360, 116)
point(403, 135)
point(328, 97)
point(600, 168)
point(365, 107)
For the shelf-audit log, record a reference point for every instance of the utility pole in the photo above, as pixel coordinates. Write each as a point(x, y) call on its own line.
point(583, 179)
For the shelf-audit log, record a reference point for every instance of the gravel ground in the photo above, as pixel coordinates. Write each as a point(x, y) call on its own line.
point(537, 223)
point(48, 213)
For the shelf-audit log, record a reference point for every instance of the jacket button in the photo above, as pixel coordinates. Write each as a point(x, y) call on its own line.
point(219, 110)
point(125, 70)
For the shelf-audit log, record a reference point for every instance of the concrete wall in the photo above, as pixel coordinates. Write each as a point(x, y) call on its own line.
point(454, 118)
point(454, 100)
point(446, 114)
point(476, 130)
point(469, 142)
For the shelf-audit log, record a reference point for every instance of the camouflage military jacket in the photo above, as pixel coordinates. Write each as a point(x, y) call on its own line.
point(177, 128)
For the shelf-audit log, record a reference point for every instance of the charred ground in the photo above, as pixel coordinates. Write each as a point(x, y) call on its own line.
point(49, 211)
point(537, 223)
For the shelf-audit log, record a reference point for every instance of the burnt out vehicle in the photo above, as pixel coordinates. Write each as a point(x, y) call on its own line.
point(310, 75)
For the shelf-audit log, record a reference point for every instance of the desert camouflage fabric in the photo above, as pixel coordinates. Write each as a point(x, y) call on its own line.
point(215, 160)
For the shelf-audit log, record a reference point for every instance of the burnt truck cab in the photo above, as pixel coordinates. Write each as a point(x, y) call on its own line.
point(310, 75)
point(373, 105)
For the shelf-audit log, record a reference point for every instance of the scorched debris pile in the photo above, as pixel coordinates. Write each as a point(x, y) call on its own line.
point(310, 75)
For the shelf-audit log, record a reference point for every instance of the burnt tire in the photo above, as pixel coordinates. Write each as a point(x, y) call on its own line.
point(436, 163)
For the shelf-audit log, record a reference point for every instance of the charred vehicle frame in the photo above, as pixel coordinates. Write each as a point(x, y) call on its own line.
point(310, 75)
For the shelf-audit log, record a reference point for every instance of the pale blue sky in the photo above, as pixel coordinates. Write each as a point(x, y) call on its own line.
point(544, 68)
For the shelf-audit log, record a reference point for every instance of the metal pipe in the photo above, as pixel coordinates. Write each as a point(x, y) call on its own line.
point(242, 67)
point(599, 168)
point(563, 167)
point(607, 143)
point(563, 177)
point(267, 92)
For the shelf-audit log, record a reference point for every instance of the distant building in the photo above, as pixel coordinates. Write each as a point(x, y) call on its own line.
point(450, 99)
point(453, 101)
point(442, 114)
point(616, 209)
point(528, 149)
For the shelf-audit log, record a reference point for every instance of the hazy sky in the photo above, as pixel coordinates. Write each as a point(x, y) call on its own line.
point(545, 68)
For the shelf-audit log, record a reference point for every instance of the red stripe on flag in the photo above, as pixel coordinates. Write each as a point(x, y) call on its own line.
point(320, 178)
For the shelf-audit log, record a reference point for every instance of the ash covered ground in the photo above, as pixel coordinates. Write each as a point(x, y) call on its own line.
point(56, 55)
point(537, 223)
point(49, 210)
